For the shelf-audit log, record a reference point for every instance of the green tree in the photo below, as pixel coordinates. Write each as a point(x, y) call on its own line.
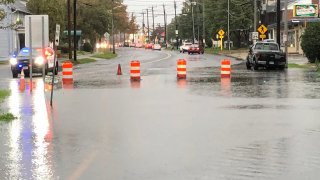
point(310, 42)
point(53, 9)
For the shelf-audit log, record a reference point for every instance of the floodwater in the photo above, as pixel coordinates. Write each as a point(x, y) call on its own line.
point(256, 125)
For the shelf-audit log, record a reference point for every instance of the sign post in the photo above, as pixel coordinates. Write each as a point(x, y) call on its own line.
point(221, 33)
point(56, 44)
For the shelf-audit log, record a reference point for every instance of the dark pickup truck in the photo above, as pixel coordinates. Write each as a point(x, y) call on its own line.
point(266, 54)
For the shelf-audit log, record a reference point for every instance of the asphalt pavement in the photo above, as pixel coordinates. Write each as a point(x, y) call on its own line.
point(255, 125)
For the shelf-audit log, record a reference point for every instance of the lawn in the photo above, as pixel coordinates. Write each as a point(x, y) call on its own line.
point(4, 62)
point(5, 116)
point(106, 55)
point(84, 61)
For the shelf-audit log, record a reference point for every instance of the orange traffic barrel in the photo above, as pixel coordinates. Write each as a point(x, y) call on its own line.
point(225, 68)
point(181, 69)
point(67, 74)
point(135, 70)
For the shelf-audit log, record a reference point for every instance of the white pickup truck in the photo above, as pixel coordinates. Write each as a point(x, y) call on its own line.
point(185, 46)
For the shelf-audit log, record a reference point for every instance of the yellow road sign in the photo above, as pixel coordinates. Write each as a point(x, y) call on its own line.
point(221, 32)
point(221, 37)
point(262, 29)
point(263, 36)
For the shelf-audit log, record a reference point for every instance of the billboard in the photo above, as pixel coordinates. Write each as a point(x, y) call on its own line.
point(305, 10)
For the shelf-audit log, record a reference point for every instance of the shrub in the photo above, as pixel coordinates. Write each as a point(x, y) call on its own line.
point(310, 42)
point(87, 47)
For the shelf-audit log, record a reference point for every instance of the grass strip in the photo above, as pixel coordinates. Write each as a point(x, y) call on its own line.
point(4, 62)
point(4, 94)
point(7, 117)
point(302, 66)
point(84, 61)
point(107, 55)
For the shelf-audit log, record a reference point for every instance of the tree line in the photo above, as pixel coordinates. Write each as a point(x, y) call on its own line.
point(94, 17)
point(215, 13)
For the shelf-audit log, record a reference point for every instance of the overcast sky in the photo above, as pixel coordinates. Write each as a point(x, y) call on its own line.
point(138, 6)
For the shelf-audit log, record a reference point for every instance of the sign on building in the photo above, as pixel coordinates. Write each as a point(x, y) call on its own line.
point(305, 10)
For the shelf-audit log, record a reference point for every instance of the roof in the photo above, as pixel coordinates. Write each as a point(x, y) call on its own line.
point(19, 6)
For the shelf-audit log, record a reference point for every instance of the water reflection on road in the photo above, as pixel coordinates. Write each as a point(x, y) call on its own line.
point(27, 141)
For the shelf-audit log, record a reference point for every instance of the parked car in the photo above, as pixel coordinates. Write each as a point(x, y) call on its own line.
point(156, 47)
point(265, 54)
point(132, 45)
point(148, 46)
point(39, 60)
point(195, 48)
point(139, 45)
point(185, 46)
point(126, 44)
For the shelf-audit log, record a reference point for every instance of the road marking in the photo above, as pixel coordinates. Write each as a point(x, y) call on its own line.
point(168, 56)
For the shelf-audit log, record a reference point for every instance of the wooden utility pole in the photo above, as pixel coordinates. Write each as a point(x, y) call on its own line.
point(148, 25)
point(75, 30)
point(278, 21)
point(69, 29)
point(154, 41)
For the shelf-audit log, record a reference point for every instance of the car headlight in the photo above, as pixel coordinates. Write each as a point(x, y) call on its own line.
point(39, 60)
point(13, 61)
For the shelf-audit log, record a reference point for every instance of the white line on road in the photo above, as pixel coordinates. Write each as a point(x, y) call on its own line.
point(168, 56)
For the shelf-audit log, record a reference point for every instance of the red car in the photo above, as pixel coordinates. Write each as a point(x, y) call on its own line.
point(195, 48)
point(148, 46)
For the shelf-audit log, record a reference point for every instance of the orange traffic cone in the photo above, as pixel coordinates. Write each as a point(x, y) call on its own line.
point(119, 70)
point(22, 81)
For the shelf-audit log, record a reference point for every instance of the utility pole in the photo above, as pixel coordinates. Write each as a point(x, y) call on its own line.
point(74, 30)
point(69, 29)
point(192, 22)
point(165, 25)
point(143, 25)
point(133, 30)
point(148, 25)
point(254, 19)
point(278, 22)
point(154, 41)
point(229, 25)
point(285, 36)
point(203, 26)
point(112, 31)
point(175, 17)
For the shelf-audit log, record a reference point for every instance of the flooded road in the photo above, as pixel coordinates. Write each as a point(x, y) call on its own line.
point(256, 125)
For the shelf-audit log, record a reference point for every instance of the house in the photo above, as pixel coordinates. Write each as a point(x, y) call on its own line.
point(12, 28)
point(296, 25)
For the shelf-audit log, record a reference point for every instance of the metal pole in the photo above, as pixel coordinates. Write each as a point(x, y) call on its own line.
point(113, 45)
point(278, 21)
point(192, 22)
point(229, 25)
point(43, 54)
point(53, 72)
point(30, 51)
point(74, 30)
point(69, 29)
point(286, 30)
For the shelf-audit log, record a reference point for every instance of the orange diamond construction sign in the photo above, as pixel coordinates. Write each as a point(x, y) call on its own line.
point(262, 29)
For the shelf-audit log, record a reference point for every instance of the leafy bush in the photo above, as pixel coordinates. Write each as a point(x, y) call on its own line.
point(310, 42)
point(87, 47)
